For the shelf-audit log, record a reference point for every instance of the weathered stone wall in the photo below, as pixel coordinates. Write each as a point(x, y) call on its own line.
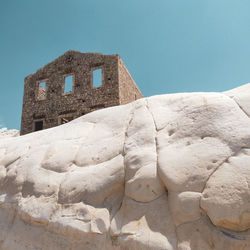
point(83, 99)
point(128, 89)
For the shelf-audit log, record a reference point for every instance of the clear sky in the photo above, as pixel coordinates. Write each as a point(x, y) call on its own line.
point(167, 45)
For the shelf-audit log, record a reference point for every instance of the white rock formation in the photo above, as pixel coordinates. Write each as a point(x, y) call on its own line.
point(169, 172)
point(4, 133)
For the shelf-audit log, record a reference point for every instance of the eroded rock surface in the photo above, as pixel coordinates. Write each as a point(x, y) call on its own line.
point(168, 172)
point(5, 133)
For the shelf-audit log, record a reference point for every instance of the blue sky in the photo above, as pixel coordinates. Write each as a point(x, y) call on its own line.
point(167, 45)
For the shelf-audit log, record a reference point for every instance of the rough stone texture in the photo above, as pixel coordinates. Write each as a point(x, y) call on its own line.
point(52, 106)
point(4, 133)
point(128, 90)
point(168, 172)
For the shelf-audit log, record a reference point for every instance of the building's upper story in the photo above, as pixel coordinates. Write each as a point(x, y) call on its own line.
point(72, 85)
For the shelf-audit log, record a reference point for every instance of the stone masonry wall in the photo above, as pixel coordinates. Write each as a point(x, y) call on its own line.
point(84, 98)
point(128, 90)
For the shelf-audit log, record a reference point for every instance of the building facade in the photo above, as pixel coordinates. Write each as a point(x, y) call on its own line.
point(73, 85)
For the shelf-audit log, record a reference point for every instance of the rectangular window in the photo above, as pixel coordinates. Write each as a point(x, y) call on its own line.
point(68, 84)
point(97, 78)
point(41, 94)
point(38, 125)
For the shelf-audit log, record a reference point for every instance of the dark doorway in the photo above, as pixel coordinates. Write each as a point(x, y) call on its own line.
point(38, 125)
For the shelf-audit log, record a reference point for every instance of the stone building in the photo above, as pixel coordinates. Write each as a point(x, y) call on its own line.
point(69, 87)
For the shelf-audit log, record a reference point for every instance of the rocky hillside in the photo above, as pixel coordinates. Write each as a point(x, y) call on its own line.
point(166, 172)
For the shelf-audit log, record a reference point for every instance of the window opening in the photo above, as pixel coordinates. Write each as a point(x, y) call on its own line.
point(38, 125)
point(97, 78)
point(68, 84)
point(41, 95)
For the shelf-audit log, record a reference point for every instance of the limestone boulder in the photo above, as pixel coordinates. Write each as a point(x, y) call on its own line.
point(225, 198)
point(167, 172)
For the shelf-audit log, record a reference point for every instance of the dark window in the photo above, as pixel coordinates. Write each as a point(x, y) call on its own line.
point(38, 125)
point(68, 84)
point(41, 94)
point(97, 78)
point(70, 58)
